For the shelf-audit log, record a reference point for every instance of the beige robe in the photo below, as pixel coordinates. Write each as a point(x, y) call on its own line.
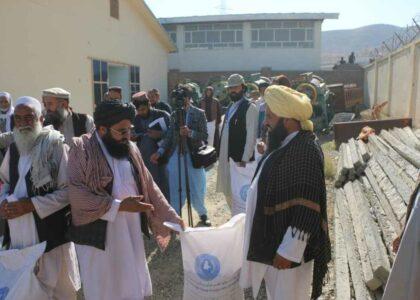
point(223, 173)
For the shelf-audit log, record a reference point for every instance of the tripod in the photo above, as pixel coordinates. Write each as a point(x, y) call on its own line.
point(182, 147)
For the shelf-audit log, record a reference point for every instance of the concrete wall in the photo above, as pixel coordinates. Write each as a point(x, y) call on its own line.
point(246, 58)
point(395, 78)
point(46, 43)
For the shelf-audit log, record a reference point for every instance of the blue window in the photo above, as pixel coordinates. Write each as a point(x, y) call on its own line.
point(100, 80)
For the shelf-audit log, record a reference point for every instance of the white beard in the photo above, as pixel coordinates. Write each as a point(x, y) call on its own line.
point(25, 137)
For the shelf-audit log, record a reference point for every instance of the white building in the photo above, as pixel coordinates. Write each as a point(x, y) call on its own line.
point(83, 46)
point(248, 42)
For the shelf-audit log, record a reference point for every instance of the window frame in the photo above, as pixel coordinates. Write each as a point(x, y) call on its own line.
point(279, 29)
point(230, 35)
point(102, 83)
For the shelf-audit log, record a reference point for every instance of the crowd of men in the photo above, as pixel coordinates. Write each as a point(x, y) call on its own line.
point(91, 187)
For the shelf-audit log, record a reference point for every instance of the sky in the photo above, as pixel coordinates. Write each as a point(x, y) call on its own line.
point(353, 13)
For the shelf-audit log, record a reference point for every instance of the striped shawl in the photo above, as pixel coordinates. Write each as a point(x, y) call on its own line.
point(89, 176)
point(291, 192)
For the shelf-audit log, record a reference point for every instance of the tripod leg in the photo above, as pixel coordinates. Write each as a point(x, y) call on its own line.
point(188, 192)
point(179, 184)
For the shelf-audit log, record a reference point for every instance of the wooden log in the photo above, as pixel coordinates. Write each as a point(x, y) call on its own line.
point(341, 170)
point(360, 289)
point(405, 137)
point(374, 141)
point(349, 163)
point(387, 229)
point(412, 137)
point(417, 133)
point(395, 175)
point(408, 153)
point(411, 171)
point(342, 275)
point(368, 272)
point(393, 197)
point(355, 156)
point(363, 150)
point(376, 249)
point(396, 224)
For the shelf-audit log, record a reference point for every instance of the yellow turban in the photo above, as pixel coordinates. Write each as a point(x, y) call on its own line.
point(287, 103)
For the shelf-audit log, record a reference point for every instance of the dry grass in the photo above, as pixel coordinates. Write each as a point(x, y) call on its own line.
point(329, 167)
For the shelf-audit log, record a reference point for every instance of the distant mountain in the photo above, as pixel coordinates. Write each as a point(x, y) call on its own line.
point(337, 43)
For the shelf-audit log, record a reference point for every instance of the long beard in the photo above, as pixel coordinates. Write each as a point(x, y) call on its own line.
point(25, 137)
point(56, 118)
point(235, 97)
point(276, 136)
point(116, 149)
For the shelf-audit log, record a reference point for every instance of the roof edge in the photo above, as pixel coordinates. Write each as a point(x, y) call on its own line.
point(158, 28)
point(249, 17)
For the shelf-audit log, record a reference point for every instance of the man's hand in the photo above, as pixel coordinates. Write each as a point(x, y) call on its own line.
point(134, 204)
point(3, 209)
point(261, 147)
point(185, 131)
point(154, 158)
point(12, 210)
point(241, 164)
point(154, 134)
point(281, 263)
point(396, 244)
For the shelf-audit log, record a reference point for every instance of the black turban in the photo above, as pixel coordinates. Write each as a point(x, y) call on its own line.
point(111, 112)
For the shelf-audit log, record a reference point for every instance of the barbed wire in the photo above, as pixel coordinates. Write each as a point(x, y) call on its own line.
point(398, 40)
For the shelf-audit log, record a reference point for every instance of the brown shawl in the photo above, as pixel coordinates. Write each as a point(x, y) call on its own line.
point(89, 174)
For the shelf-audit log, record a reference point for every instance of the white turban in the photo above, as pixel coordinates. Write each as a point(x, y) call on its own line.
point(287, 103)
point(6, 95)
point(30, 102)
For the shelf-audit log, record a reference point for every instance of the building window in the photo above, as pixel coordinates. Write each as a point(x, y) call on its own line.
point(213, 35)
point(282, 34)
point(100, 80)
point(171, 31)
point(134, 79)
point(115, 8)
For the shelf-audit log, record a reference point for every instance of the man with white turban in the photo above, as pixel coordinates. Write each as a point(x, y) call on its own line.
point(286, 232)
point(34, 199)
point(6, 112)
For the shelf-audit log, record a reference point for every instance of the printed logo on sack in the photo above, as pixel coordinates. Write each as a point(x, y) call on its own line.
point(3, 293)
point(244, 192)
point(207, 266)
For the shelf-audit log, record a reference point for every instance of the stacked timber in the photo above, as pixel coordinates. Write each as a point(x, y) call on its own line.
point(373, 186)
point(352, 162)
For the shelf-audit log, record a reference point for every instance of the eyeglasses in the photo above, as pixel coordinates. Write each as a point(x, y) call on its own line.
point(123, 131)
point(26, 119)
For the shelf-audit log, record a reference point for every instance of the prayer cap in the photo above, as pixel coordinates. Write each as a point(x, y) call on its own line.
point(57, 93)
point(140, 95)
point(111, 112)
point(115, 88)
point(235, 80)
point(30, 102)
point(7, 96)
point(285, 102)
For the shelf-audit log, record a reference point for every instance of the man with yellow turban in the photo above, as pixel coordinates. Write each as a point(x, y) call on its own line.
point(286, 232)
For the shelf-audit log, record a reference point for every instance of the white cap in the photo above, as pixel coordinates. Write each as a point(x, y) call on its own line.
point(57, 93)
point(30, 102)
point(6, 95)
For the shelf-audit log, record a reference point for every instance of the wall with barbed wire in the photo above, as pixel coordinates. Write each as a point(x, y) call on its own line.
point(395, 78)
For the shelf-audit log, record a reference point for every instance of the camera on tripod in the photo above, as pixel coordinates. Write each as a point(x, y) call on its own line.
point(179, 94)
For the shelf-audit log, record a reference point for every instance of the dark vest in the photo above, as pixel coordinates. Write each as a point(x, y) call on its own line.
point(237, 132)
point(94, 233)
point(51, 229)
point(79, 124)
